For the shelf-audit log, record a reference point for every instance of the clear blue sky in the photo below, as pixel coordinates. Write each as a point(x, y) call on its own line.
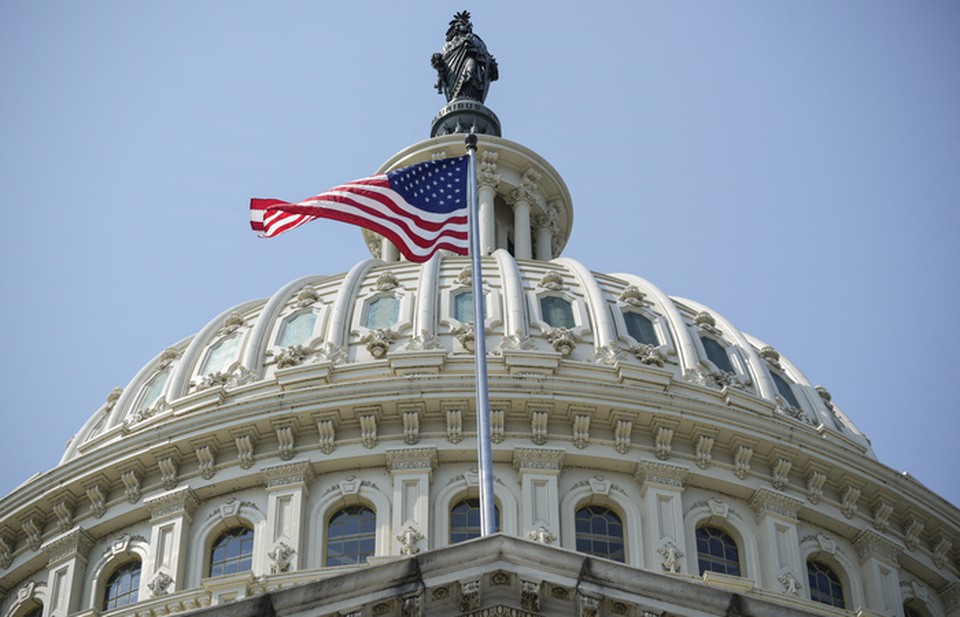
point(795, 166)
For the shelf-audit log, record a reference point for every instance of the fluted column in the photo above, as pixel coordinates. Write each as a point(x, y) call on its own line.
point(487, 182)
point(524, 196)
point(546, 226)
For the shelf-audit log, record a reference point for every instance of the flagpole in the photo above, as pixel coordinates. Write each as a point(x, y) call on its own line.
point(485, 454)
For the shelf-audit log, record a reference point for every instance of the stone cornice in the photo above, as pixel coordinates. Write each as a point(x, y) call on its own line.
point(294, 474)
point(180, 502)
point(538, 460)
point(76, 543)
point(408, 459)
point(766, 502)
point(652, 473)
point(870, 543)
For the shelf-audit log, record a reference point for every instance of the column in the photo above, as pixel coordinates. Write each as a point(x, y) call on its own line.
point(546, 227)
point(660, 490)
point(781, 568)
point(66, 563)
point(411, 469)
point(879, 565)
point(538, 470)
point(524, 196)
point(287, 491)
point(388, 251)
point(487, 182)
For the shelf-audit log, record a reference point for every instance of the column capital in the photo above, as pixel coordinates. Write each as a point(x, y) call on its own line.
point(870, 543)
point(538, 460)
point(412, 459)
point(72, 544)
point(296, 474)
point(663, 475)
point(766, 502)
point(179, 502)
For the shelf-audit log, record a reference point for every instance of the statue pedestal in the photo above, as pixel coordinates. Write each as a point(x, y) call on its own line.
point(465, 116)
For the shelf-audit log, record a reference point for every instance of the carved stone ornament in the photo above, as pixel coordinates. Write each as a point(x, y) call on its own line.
point(160, 584)
point(291, 356)
point(465, 277)
point(771, 355)
point(648, 354)
point(632, 296)
point(608, 354)
point(589, 606)
point(562, 339)
point(791, 586)
point(112, 398)
point(307, 296)
point(97, 496)
point(464, 334)
point(378, 342)
point(409, 540)
point(423, 342)
point(671, 557)
point(518, 341)
point(464, 67)
point(542, 535)
point(469, 595)
point(231, 324)
point(245, 445)
point(236, 375)
point(706, 322)
point(581, 430)
point(552, 280)
point(387, 281)
point(6, 552)
point(282, 558)
point(530, 595)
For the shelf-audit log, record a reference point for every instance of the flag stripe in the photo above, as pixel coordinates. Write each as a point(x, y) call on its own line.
point(421, 208)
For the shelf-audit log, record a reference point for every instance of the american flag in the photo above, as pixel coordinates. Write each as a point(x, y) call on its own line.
point(421, 208)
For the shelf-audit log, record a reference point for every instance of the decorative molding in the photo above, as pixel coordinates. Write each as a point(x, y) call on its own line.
point(454, 424)
point(63, 509)
point(705, 321)
point(608, 354)
point(181, 502)
point(827, 544)
point(581, 430)
point(282, 558)
point(648, 354)
point(286, 439)
point(76, 543)
point(289, 475)
point(661, 474)
point(487, 176)
point(950, 595)
point(168, 463)
point(718, 508)
point(672, 555)
point(423, 342)
point(96, 491)
point(622, 428)
point(632, 296)
point(791, 586)
point(159, 584)
point(412, 459)
point(411, 426)
point(588, 606)
point(387, 281)
point(869, 543)
point(327, 433)
point(131, 477)
point(941, 548)
point(542, 535)
point(245, 440)
point(781, 471)
point(464, 333)
point(912, 531)
point(469, 595)
point(206, 453)
point(368, 429)
point(538, 426)
point(497, 425)
point(537, 459)
point(552, 281)
point(741, 460)
point(815, 482)
point(530, 595)
point(412, 606)
point(409, 540)
point(663, 436)
point(766, 502)
point(378, 342)
point(848, 501)
point(704, 447)
point(882, 509)
point(563, 340)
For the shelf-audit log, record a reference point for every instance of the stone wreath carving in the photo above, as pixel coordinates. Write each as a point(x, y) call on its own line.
point(464, 334)
point(562, 339)
point(648, 354)
point(378, 342)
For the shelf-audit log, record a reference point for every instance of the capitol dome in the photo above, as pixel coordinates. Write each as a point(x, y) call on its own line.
point(314, 453)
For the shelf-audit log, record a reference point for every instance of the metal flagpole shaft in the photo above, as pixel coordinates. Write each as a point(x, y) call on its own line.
point(487, 511)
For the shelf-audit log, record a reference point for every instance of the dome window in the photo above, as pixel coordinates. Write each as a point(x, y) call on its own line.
point(298, 329)
point(153, 390)
point(785, 390)
point(717, 551)
point(640, 327)
point(221, 355)
point(825, 585)
point(465, 520)
point(463, 307)
point(383, 312)
point(351, 536)
point(600, 533)
point(232, 552)
point(717, 354)
point(557, 312)
point(123, 586)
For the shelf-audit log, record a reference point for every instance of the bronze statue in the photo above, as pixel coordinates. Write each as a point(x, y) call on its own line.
point(464, 66)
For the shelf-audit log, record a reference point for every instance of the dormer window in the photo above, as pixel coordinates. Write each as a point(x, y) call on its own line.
point(463, 307)
point(221, 355)
point(785, 390)
point(298, 330)
point(557, 312)
point(640, 328)
point(717, 354)
point(383, 312)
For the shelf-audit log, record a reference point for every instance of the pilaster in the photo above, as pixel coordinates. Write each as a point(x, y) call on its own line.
point(538, 470)
point(879, 565)
point(779, 541)
point(66, 565)
point(287, 491)
point(412, 469)
point(661, 486)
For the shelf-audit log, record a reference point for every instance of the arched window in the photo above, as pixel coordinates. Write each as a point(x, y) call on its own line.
point(382, 313)
point(221, 355)
point(232, 552)
point(825, 585)
point(37, 611)
point(785, 390)
point(465, 520)
point(717, 551)
point(122, 587)
point(717, 354)
point(640, 328)
point(351, 536)
point(557, 312)
point(600, 533)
